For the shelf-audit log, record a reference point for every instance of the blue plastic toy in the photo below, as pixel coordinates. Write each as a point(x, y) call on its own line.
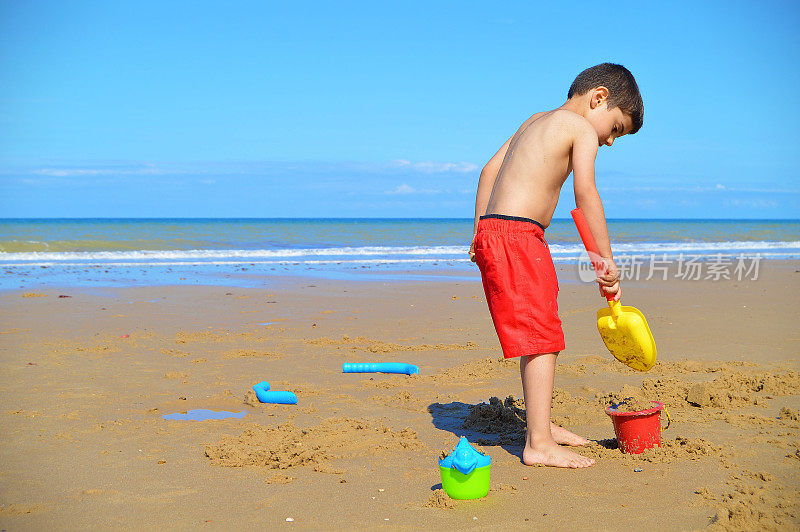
point(465, 472)
point(277, 397)
point(380, 367)
point(465, 458)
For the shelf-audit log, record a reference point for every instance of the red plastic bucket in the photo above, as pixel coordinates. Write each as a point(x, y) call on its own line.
point(637, 431)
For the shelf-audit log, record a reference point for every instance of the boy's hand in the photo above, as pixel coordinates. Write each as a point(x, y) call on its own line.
point(609, 280)
point(472, 251)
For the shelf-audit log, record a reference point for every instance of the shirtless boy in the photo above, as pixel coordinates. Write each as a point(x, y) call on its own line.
point(517, 194)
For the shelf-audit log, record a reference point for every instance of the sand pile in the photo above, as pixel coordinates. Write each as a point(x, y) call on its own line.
point(285, 446)
point(671, 392)
point(741, 389)
point(251, 399)
point(753, 501)
point(732, 389)
point(503, 421)
point(440, 499)
point(670, 451)
point(687, 366)
point(633, 404)
point(626, 393)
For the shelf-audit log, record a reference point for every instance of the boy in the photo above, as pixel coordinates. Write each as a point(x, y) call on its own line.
point(517, 193)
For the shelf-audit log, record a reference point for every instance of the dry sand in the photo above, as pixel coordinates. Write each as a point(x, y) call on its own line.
point(84, 445)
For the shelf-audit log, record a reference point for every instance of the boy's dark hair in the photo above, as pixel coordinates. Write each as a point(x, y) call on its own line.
point(623, 92)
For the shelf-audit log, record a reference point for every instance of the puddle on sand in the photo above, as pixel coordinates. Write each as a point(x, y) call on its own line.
point(202, 414)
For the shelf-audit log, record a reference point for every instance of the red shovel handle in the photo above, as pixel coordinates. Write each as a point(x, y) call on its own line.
point(589, 244)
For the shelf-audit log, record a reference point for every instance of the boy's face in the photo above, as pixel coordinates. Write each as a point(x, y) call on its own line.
point(610, 124)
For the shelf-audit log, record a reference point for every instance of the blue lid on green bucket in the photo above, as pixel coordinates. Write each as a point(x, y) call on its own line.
point(465, 458)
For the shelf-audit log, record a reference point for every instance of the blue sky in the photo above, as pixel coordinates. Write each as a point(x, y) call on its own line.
point(262, 109)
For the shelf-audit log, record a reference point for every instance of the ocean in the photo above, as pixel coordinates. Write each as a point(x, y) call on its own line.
point(254, 252)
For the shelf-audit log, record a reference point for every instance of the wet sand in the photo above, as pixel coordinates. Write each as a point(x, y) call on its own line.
point(88, 377)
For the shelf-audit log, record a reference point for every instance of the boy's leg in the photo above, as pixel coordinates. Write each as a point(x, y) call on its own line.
point(538, 374)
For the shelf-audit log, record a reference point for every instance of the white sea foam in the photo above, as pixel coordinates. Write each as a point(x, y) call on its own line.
point(379, 254)
point(625, 248)
point(235, 262)
point(211, 254)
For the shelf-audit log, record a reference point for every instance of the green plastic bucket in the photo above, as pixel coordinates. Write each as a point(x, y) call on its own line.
point(460, 486)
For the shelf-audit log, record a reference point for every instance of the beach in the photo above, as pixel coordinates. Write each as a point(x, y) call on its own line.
point(89, 371)
point(237, 277)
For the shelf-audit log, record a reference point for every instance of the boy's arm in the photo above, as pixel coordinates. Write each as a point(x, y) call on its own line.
point(486, 182)
point(485, 186)
point(584, 152)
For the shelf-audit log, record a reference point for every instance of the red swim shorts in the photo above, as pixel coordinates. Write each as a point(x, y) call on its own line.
point(520, 284)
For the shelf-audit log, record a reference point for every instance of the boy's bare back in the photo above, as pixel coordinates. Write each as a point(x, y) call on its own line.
point(536, 162)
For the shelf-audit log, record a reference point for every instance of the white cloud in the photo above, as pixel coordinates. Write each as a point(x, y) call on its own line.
point(406, 189)
point(134, 168)
point(700, 189)
point(64, 172)
point(114, 170)
point(751, 203)
point(430, 167)
point(67, 181)
point(402, 189)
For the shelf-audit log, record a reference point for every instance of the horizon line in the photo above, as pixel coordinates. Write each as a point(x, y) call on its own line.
point(367, 218)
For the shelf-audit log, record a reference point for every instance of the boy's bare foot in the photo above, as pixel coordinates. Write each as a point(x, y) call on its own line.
point(554, 456)
point(564, 437)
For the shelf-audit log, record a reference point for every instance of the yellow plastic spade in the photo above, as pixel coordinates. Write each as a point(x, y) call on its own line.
point(625, 332)
point(624, 329)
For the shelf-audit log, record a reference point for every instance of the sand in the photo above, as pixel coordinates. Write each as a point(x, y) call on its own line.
point(88, 377)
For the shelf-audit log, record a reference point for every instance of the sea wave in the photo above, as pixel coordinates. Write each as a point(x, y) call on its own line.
point(384, 252)
point(625, 248)
point(211, 254)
